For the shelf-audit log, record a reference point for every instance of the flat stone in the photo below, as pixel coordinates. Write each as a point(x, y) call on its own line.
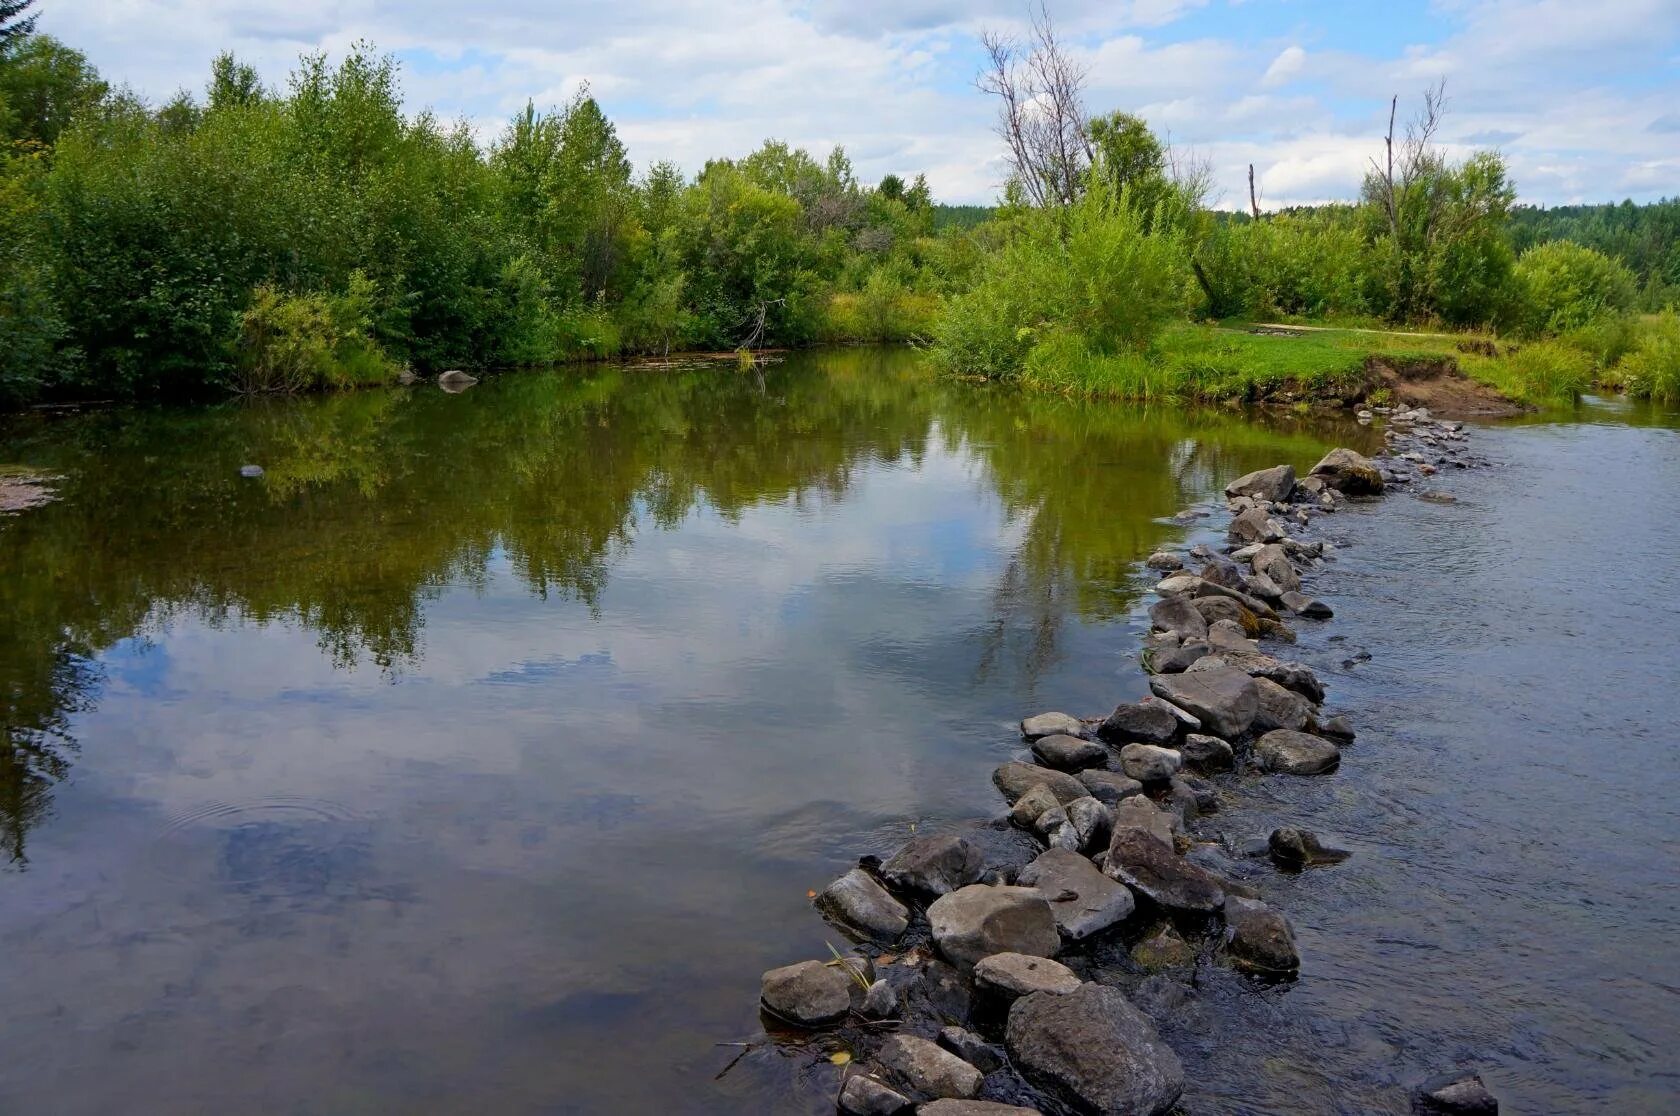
point(863, 1095)
point(1070, 753)
point(1274, 484)
point(936, 864)
point(1181, 583)
point(1013, 975)
point(1139, 723)
point(975, 922)
point(1142, 814)
point(1137, 859)
point(1148, 764)
point(1256, 664)
point(1281, 708)
point(1093, 1051)
point(1296, 753)
point(1258, 938)
point(1050, 724)
point(1207, 753)
point(860, 904)
point(1179, 616)
point(1109, 787)
point(809, 994)
point(1302, 605)
point(1225, 699)
point(971, 1048)
point(1082, 900)
point(973, 1108)
point(1228, 635)
point(1016, 779)
point(928, 1069)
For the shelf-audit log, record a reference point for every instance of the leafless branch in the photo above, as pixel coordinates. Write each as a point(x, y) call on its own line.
point(1041, 112)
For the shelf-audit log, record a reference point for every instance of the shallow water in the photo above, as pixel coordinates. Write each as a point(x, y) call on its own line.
point(481, 754)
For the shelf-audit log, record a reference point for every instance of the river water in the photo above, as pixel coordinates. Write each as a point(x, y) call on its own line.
point(481, 754)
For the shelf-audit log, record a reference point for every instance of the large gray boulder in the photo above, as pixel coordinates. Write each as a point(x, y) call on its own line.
point(1258, 938)
point(1207, 754)
point(1296, 753)
point(1070, 753)
point(1050, 724)
point(1223, 697)
point(1016, 779)
point(935, 864)
point(1179, 616)
point(1109, 787)
point(1137, 722)
point(1094, 1052)
point(1310, 607)
point(1148, 764)
point(1082, 900)
point(1257, 664)
point(1350, 473)
point(927, 1069)
point(977, 921)
point(1142, 814)
point(860, 904)
point(1010, 976)
point(1252, 526)
point(1273, 562)
point(1281, 708)
point(809, 994)
point(1138, 859)
point(1033, 805)
point(1274, 484)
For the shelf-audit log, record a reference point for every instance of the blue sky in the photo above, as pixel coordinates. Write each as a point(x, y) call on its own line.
point(1582, 98)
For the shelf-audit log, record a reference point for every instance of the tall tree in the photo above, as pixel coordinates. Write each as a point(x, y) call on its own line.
point(1041, 111)
point(13, 23)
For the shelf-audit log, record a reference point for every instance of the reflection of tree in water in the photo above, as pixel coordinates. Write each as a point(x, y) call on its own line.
point(375, 502)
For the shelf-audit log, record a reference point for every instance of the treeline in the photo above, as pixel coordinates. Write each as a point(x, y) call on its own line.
point(255, 239)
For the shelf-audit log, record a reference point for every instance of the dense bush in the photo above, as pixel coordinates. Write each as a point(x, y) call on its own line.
point(1565, 286)
point(1652, 368)
point(298, 342)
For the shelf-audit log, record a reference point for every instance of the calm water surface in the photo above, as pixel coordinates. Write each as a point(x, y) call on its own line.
point(481, 755)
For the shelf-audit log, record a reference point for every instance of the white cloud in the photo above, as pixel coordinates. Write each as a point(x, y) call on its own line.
point(1285, 67)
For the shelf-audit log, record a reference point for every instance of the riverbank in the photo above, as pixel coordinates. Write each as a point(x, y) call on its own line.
point(959, 928)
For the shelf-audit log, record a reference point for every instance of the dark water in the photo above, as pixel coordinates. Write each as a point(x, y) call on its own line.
point(480, 756)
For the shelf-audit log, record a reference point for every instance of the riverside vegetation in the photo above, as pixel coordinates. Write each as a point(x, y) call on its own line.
point(254, 239)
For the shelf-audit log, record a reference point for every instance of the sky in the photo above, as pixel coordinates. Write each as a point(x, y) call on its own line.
point(1581, 96)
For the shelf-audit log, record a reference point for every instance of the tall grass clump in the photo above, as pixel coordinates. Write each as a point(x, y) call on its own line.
point(1539, 372)
point(1090, 270)
point(1652, 368)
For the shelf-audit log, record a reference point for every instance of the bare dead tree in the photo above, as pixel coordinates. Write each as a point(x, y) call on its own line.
point(1253, 198)
point(1041, 110)
point(1409, 188)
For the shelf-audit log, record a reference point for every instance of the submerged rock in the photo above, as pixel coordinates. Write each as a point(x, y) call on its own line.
point(927, 1069)
point(1455, 1095)
point(1258, 938)
point(1013, 975)
point(1164, 949)
point(809, 994)
point(1093, 1051)
point(860, 904)
point(1224, 698)
point(1296, 753)
point(1349, 472)
point(935, 864)
point(1301, 848)
point(1082, 900)
point(975, 922)
point(1051, 724)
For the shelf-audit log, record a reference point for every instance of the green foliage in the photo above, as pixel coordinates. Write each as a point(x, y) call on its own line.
point(1652, 368)
point(1566, 286)
point(14, 24)
point(44, 86)
point(1291, 265)
point(1537, 372)
point(299, 342)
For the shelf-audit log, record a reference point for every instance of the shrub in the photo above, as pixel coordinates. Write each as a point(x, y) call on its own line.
point(297, 342)
point(1652, 369)
point(1564, 286)
point(1542, 371)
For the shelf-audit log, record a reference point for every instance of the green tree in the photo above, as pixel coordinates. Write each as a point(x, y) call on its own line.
point(14, 25)
point(45, 85)
point(1565, 286)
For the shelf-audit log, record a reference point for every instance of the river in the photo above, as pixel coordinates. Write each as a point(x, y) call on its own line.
point(481, 754)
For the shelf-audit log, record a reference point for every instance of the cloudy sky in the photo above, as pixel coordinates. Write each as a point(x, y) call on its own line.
point(1582, 96)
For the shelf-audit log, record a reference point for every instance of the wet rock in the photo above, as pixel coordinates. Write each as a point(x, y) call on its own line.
point(1013, 975)
point(1138, 860)
point(971, 1048)
point(1139, 723)
point(1051, 724)
point(881, 1001)
point(1273, 562)
point(1337, 729)
point(1109, 787)
point(1142, 814)
point(1302, 605)
point(1224, 698)
point(1016, 779)
point(1070, 753)
point(863, 1095)
point(1091, 820)
point(1251, 526)
point(1301, 848)
point(975, 922)
point(1280, 708)
point(1179, 658)
point(1163, 949)
point(1179, 616)
point(1164, 560)
point(1254, 604)
point(1201, 793)
point(1057, 829)
point(1265, 588)
point(1093, 1051)
point(455, 381)
point(809, 994)
point(927, 1069)
point(1296, 753)
point(1215, 609)
point(1082, 900)
point(1228, 635)
point(973, 1108)
point(1224, 573)
point(1149, 764)
point(1207, 753)
point(1436, 496)
point(1291, 676)
point(861, 905)
point(1350, 473)
point(935, 864)
point(1455, 1095)
point(1274, 484)
point(1258, 938)
point(1032, 806)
